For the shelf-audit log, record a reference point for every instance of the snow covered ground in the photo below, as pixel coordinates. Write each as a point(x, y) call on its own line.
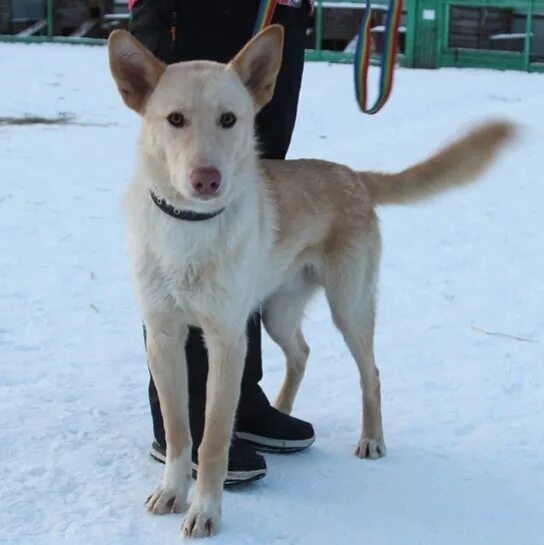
point(463, 410)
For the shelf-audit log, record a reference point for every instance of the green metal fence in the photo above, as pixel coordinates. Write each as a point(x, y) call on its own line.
point(318, 53)
point(430, 43)
point(49, 36)
point(427, 26)
point(467, 57)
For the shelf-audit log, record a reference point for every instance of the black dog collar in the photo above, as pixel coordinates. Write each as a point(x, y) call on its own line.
point(187, 215)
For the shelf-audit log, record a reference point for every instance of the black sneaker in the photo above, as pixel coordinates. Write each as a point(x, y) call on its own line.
point(270, 430)
point(245, 465)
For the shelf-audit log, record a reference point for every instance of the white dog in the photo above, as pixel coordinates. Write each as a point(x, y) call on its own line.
point(214, 232)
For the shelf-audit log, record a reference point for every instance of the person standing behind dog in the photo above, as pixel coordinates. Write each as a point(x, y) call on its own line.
point(184, 30)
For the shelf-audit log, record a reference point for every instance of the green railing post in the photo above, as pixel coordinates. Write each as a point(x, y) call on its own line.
point(444, 39)
point(319, 28)
point(50, 19)
point(411, 15)
point(528, 36)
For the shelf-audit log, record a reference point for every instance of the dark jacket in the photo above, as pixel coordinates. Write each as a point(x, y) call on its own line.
point(179, 30)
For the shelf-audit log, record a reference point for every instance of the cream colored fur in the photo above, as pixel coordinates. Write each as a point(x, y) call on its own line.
point(287, 229)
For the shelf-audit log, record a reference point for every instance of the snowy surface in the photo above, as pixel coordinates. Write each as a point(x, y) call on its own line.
point(463, 411)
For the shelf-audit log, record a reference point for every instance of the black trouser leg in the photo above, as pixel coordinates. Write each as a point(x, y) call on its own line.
point(275, 124)
point(276, 121)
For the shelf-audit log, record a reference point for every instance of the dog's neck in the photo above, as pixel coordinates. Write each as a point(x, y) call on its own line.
point(180, 213)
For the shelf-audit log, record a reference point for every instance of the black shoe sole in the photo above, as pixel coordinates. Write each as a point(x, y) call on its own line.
point(277, 446)
point(234, 478)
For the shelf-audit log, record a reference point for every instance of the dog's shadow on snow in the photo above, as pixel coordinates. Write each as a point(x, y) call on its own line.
point(410, 496)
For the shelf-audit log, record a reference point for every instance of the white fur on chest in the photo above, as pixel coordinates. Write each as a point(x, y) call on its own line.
point(208, 269)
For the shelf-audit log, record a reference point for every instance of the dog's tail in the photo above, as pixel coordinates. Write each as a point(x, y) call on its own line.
point(458, 164)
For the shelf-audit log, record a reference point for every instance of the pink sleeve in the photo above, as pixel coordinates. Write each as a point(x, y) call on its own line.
point(131, 4)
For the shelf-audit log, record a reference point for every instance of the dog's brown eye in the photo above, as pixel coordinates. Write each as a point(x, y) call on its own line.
point(227, 120)
point(176, 119)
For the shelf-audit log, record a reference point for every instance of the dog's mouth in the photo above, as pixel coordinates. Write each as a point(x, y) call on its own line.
point(205, 199)
point(220, 198)
point(182, 195)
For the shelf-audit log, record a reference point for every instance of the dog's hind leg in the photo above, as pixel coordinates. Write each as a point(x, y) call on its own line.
point(282, 317)
point(166, 335)
point(350, 286)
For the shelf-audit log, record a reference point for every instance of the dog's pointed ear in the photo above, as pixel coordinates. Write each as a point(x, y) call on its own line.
point(135, 69)
point(259, 62)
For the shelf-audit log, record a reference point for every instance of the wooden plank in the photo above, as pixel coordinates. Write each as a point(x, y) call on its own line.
point(116, 16)
point(341, 24)
point(70, 15)
point(5, 16)
point(509, 36)
point(84, 29)
point(471, 27)
point(33, 29)
point(380, 29)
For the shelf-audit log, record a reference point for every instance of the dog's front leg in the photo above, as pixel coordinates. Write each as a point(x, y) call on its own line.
point(226, 358)
point(166, 336)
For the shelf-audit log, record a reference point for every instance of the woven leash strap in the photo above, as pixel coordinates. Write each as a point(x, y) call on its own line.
point(265, 14)
point(387, 65)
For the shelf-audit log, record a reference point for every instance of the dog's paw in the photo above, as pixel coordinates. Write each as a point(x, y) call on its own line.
point(165, 500)
point(201, 521)
point(370, 448)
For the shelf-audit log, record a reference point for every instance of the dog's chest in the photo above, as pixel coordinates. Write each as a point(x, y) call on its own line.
point(210, 268)
point(200, 267)
point(188, 262)
point(190, 276)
